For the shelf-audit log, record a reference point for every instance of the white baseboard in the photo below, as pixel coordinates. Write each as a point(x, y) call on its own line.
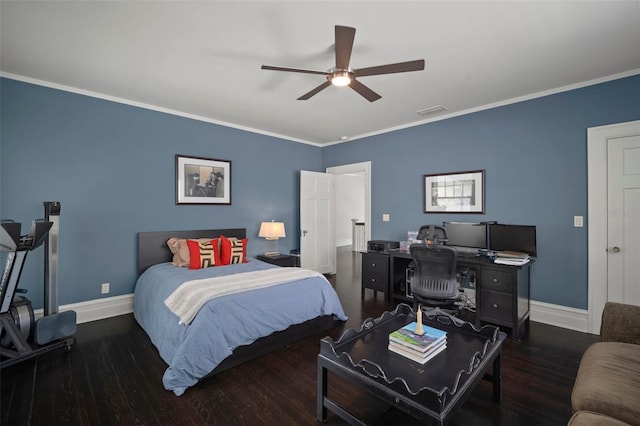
point(97, 309)
point(343, 242)
point(546, 313)
point(560, 316)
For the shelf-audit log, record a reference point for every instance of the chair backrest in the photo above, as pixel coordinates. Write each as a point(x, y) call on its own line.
point(435, 276)
point(432, 233)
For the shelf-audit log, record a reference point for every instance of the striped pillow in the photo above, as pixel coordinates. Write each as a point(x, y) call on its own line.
point(203, 253)
point(233, 250)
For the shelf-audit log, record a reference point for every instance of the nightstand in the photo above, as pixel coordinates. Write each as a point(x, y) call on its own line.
point(279, 259)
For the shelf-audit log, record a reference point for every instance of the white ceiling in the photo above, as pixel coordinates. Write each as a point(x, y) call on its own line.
point(202, 59)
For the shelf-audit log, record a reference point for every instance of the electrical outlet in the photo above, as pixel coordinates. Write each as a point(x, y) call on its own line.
point(385, 217)
point(578, 221)
point(105, 288)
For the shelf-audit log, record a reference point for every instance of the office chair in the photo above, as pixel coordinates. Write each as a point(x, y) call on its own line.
point(434, 282)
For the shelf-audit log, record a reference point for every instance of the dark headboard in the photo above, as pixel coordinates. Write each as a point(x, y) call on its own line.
point(152, 246)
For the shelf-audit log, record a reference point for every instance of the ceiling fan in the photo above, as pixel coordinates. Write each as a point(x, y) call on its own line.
point(343, 75)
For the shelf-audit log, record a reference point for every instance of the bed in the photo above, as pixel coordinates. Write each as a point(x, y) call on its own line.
point(229, 329)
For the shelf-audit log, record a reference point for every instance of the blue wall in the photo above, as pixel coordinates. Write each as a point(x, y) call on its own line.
point(112, 168)
point(535, 157)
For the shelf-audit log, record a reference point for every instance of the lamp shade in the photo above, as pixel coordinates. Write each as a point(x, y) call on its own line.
point(272, 230)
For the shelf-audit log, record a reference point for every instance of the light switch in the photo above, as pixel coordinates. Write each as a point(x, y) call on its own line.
point(578, 222)
point(385, 217)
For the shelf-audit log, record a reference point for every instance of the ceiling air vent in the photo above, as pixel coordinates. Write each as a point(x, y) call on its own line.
point(433, 110)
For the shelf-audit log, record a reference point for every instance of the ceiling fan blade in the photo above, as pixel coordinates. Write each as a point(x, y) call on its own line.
point(344, 45)
point(314, 91)
point(391, 68)
point(364, 91)
point(269, 67)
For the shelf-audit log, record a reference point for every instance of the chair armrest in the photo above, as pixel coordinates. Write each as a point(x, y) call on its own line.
point(620, 323)
point(466, 276)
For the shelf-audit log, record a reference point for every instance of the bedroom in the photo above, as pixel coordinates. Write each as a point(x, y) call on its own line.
point(112, 167)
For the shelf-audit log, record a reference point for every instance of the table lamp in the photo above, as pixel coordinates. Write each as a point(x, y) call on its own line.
point(271, 231)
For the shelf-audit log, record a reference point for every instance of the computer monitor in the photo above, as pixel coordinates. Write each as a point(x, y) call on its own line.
point(466, 234)
point(520, 238)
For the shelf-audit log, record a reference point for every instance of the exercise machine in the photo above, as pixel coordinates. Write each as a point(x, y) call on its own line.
point(21, 336)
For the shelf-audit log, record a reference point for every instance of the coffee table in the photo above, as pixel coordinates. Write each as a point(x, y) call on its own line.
point(428, 392)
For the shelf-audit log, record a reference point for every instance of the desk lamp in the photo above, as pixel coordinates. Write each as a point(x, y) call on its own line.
point(271, 231)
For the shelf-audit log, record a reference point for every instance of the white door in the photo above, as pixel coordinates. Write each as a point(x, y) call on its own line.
point(614, 217)
point(317, 201)
point(623, 248)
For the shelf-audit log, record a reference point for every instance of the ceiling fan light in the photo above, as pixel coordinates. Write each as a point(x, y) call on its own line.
point(340, 78)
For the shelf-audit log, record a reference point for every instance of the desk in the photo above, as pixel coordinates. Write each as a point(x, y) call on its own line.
point(502, 291)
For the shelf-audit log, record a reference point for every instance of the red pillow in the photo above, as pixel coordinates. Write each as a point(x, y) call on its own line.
point(233, 250)
point(203, 253)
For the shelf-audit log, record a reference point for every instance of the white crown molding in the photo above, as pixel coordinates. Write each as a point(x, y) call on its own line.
point(496, 104)
point(352, 138)
point(124, 101)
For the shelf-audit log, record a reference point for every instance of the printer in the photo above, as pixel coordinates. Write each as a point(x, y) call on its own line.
point(382, 246)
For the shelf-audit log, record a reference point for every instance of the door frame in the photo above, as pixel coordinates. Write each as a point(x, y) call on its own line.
point(597, 138)
point(363, 167)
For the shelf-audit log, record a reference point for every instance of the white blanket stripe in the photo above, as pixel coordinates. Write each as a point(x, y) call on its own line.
point(190, 296)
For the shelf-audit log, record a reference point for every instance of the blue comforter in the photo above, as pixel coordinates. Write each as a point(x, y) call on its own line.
point(223, 324)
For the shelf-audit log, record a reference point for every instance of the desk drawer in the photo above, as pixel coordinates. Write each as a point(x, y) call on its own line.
point(375, 271)
point(375, 263)
point(493, 279)
point(374, 260)
point(377, 267)
point(375, 281)
point(496, 307)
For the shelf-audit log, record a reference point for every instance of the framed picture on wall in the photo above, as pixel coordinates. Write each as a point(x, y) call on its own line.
point(459, 192)
point(202, 180)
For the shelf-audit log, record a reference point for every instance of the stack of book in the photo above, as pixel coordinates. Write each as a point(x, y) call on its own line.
point(511, 258)
point(416, 347)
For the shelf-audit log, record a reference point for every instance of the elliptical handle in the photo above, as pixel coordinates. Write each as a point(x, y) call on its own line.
point(37, 236)
point(9, 235)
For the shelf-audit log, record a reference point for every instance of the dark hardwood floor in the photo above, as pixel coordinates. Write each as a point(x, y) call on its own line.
point(113, 376)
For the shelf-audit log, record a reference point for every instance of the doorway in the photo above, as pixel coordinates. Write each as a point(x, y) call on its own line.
point(356, 178)
point(613, 162)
